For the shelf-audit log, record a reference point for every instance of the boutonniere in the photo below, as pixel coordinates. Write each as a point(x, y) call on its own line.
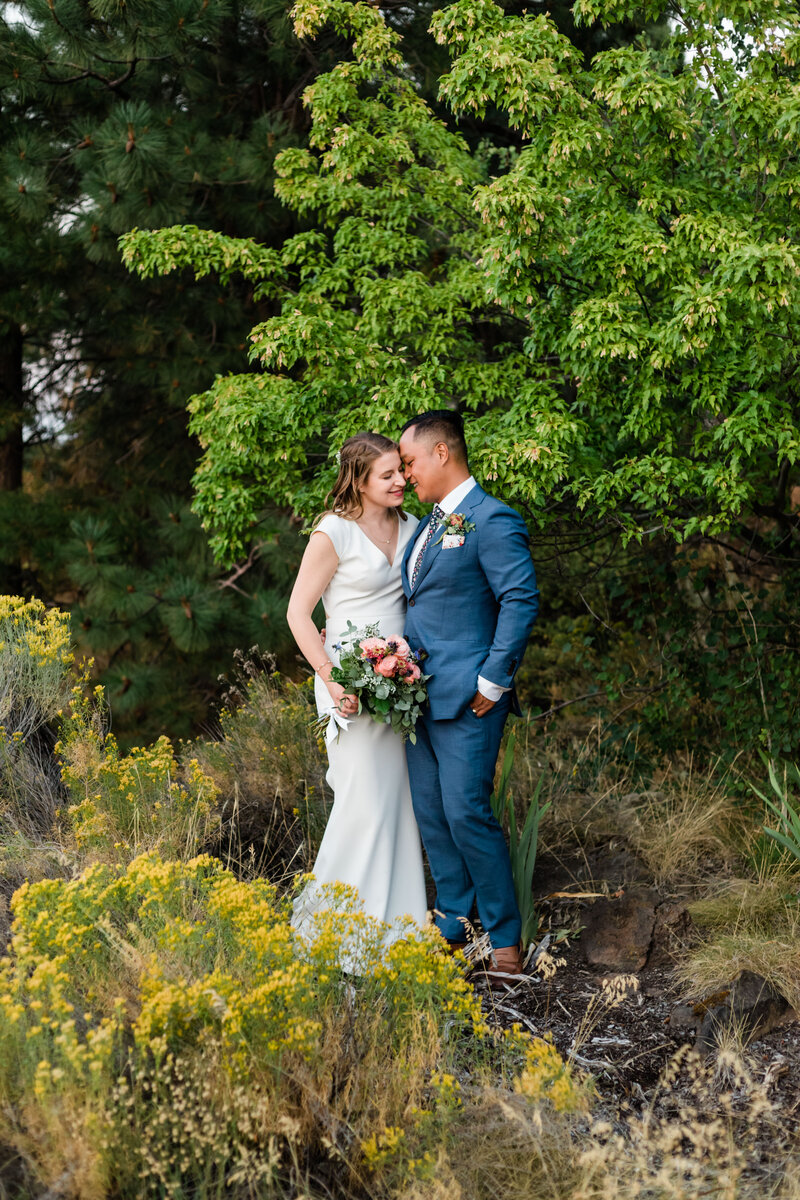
point(455, 528)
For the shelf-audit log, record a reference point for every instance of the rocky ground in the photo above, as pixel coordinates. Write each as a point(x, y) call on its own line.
point(609, 999)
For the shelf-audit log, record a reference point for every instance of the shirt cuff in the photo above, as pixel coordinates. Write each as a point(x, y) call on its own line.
point(492, 691)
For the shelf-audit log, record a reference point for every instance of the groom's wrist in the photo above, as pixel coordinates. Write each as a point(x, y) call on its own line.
point(492, 691)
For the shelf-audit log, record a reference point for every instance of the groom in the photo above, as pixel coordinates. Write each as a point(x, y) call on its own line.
point(472, 601)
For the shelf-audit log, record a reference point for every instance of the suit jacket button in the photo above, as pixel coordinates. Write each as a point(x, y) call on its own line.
point(412, 602)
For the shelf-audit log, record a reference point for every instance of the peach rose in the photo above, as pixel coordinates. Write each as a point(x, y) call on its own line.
point(372, 647)
point(401, 647)
point(387, 666)
point(412, 672)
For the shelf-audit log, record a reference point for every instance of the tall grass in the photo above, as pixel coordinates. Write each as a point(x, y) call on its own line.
point(523, 839)
point(268, 763)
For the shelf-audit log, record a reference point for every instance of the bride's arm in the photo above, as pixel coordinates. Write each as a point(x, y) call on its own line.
point(317, 569)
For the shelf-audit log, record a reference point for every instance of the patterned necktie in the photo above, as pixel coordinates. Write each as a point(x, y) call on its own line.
point(436, 516)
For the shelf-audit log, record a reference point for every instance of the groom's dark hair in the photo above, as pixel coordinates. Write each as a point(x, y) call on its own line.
point(440, 425)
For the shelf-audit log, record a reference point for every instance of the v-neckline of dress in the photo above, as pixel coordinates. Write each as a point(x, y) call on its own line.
point(390, 561)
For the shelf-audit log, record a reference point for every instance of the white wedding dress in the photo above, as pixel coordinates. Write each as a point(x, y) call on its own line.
point(371, 841)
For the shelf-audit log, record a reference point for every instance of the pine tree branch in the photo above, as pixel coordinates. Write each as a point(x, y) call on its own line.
point(111, 84)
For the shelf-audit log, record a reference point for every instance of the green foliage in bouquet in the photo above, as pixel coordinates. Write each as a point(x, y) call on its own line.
point(385, 675)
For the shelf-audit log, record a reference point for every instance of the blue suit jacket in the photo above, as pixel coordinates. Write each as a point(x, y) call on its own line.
point(473, 606)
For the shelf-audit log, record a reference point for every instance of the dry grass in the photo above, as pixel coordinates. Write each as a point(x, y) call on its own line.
point(580, 815)
point(695, 1137)
point(747, 924)
point(685, 824)
point(500, 1146)
point(713, 964)
point(269, 765)
point(242, 1138)
point(762, 904)
point(686, 827)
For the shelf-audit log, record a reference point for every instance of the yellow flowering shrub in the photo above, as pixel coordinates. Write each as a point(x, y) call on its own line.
point(131, 981)
point(35, 657)
point(546, 1076)
point(124, 804)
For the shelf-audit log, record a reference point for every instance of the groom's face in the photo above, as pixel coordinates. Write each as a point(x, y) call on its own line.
point(423, 467)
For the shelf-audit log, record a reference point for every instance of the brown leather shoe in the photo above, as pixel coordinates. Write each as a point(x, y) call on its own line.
point(506, 967)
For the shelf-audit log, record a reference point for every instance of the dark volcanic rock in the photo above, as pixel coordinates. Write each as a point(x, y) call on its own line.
point(749, 1007)
point(619, 931)
point(671, 932)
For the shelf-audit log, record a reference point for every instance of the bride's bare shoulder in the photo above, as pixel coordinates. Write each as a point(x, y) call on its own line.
point(330, 520)
point(337, 529)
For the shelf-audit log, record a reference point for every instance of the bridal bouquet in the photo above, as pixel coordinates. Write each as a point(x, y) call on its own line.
point(385, 675)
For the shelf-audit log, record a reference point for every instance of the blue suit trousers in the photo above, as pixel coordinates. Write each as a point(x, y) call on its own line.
point(451, 768)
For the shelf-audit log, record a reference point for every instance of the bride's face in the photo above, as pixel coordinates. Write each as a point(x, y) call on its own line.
point(385, 485)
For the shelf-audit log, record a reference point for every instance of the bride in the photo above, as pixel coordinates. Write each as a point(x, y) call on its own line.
point(352, 562)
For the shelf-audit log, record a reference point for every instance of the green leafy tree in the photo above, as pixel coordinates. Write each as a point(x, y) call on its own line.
point(615, 309)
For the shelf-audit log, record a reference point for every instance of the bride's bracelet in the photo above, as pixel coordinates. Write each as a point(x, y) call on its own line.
point(322, 667)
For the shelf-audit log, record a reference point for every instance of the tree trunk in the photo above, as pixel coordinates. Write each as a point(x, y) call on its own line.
point(11, 400)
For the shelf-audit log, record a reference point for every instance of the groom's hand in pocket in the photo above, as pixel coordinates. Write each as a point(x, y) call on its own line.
point(480, 705)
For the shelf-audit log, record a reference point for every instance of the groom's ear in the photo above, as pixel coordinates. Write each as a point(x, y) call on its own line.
point(442, 452)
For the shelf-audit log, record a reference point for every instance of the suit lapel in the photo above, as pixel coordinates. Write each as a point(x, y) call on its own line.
point(412, 541)
point(430, 552)
point(472, 500)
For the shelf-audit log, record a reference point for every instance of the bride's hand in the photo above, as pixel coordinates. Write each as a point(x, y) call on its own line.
point(346, 703)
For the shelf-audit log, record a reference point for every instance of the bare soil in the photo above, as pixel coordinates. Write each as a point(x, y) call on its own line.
point(627, 1047)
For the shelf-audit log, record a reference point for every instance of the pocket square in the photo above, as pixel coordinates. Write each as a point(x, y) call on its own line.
point(451, 540)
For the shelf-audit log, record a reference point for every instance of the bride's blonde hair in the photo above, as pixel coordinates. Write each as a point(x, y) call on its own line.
point(356, 458)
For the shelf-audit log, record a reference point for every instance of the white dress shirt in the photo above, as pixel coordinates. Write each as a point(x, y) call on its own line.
point(492, 691)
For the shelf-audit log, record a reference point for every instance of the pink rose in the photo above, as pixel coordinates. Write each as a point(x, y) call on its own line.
point(412, 672)
point(372, 647)
point(387, 666)
point(401, 647)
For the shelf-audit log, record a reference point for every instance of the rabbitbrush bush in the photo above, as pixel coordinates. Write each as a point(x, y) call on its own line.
point(269, 765)
point(35, 657)
point(163, 1032)
point(123, 804)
